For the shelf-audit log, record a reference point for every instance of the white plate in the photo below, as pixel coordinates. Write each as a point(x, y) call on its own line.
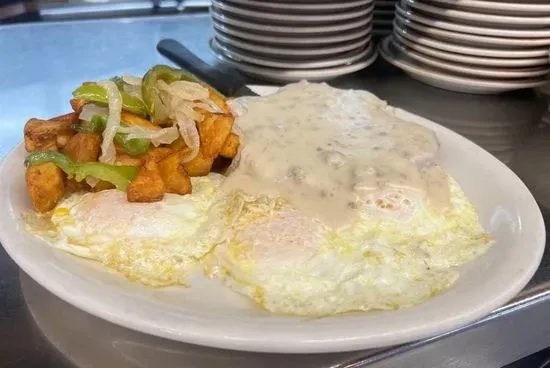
point(292, 7)
point(484, 31)
point(242, 56)
point(450, 81)
point(472, 39)
point(291, 29)
point(469, 50)
point(293, 40)
point(292, 75)
point(478, 18)
point(292, 52)
point(475, 60)
point(262, 15)
point(209, 314)
point(506, 73)
point(493, 6)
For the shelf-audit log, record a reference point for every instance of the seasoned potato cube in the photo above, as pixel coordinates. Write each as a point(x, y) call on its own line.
point(231, 145)
point(83, 147)
point(45, 186)
point(147, 186)
point(178, 144)
point(218, 100)
point(174, 175)
point(44, 134)
point(103, 185)
point(41, 135)
point(156, 154)
point(123, 159)
point(132, 120)
point(73, 186)
point(77, 105)
point(67, 121)
point(213, 132)
point(199, 166)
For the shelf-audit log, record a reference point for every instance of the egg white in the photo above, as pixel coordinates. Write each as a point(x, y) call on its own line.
point(291, 264)
point(157, 244)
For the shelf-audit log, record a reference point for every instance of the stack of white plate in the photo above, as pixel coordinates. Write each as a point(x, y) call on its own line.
point(384, 11)
point(290, 41)
point(472, 46)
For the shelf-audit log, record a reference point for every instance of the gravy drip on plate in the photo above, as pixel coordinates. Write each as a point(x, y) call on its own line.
point(327, 151)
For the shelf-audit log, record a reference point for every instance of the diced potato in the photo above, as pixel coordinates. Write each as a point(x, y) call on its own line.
point(41, 135)
point(103, 185)
point(135, 120)
point(213, 132)
point(218, 100)
point(147, 186)
point(178, 144)
point(199, 166)
point(73, 186)
point(127, 160)
point(174, 175)
point(77, 105)
point(156, 154)
point(231, 145)
point(83, 147)
point(45, 186)
point(67, 121)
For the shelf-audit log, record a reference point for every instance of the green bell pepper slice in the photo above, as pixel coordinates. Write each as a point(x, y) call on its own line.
point(157, 110)
point(134, 147)
point(119, 176)
point(97, 94)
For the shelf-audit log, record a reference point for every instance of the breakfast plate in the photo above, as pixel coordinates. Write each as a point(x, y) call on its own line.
point(207, 313)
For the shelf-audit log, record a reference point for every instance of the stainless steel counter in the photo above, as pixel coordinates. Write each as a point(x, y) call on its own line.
point(40, 64)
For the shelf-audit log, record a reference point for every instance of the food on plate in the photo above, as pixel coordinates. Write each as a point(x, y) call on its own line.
point(310, 201)
point(337, 205)
point(143, 136)
point(156, 244)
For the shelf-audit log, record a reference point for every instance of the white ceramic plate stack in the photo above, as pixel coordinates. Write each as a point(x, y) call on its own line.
point(472, 46)
point(290, 41)
point(384, 12)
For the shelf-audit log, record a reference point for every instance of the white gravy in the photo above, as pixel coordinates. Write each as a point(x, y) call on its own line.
point(328, 150)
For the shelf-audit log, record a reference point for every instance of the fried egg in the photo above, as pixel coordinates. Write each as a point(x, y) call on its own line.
point(290, 263)
point(156, 244)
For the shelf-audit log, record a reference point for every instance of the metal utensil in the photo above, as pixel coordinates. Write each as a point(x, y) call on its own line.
point(229, 82)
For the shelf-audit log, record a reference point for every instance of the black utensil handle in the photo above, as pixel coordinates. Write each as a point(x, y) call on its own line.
point(226, 82)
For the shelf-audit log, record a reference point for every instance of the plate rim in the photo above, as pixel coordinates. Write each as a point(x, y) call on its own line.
point(456, 27)
point(476, 60)
point(468, 37)
point(358, 340)
point(479, 17)
point(451, 47)
point(500, 85)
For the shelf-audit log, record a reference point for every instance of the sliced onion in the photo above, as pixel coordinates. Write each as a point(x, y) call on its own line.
point(189, 133)
point(157, 137)
point(131, 80)
point(90, 110)
point(184, 90)
point(209, 105)
point(108, 152)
